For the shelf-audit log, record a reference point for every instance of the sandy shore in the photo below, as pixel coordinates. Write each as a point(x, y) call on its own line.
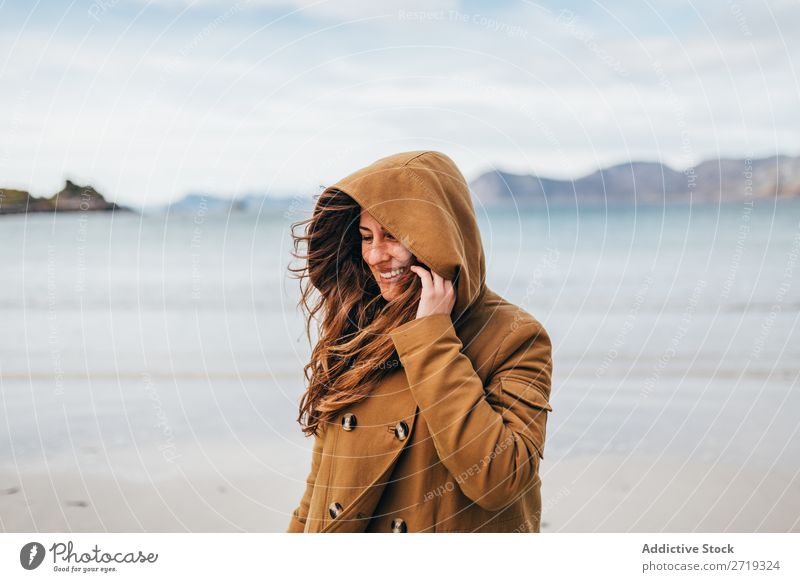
point(247, 488)
point(617, 493)
point(210, 489)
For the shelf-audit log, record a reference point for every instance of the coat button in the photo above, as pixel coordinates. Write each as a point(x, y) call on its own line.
point(401, 430)
point(349, 421)
point(399, 526)
point(334, 509)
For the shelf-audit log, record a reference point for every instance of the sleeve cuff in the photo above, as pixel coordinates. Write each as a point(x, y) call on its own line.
point(418, 334)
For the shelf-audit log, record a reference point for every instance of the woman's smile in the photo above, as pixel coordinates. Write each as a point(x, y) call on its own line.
point(392, 275)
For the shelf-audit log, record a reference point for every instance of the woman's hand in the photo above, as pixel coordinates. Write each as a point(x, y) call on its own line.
point(438, 295)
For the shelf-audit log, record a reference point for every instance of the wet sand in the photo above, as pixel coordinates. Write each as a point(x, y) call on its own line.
point(617, 493)
point(237, 488)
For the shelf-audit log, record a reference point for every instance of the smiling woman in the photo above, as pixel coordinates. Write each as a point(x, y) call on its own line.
point(392, 263)
point(388, 259)
point(450, 440)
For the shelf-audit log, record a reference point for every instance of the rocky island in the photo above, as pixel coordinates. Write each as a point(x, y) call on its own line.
point(72, 198)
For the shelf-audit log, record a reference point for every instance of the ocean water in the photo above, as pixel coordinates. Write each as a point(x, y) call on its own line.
point(674, 330)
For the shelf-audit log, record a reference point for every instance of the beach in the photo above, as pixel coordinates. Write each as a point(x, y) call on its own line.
point(236, 490)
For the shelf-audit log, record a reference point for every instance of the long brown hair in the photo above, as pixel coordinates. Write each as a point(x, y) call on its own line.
point(354, 351)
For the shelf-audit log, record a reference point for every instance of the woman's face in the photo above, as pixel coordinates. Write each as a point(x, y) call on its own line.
point(386, 256)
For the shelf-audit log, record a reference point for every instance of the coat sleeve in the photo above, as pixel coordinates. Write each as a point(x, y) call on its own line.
point(490, 437)
point(300, 514)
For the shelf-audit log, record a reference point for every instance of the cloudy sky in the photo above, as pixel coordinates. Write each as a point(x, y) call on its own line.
point(150, 100)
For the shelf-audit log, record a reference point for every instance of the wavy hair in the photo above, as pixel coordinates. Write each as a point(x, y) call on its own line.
point(354, 351)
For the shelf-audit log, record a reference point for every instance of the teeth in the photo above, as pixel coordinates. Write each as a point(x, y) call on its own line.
point(392, 273)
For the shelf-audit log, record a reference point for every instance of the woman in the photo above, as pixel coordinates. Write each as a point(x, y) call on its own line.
point(428, 392)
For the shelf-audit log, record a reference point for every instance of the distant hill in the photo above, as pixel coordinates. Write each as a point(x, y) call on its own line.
point(72, 198)
point(646, 183)
point(196, 202)
point(637, 182)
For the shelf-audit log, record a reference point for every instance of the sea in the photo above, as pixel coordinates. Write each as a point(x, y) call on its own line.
point(674, 329)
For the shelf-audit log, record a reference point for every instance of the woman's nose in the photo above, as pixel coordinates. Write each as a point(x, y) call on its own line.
point(378, 253)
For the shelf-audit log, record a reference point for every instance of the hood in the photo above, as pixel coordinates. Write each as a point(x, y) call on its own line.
point(423, 200)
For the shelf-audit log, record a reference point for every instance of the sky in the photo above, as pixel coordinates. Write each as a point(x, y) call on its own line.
point(150, 100)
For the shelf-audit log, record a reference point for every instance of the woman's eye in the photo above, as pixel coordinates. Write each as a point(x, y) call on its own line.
point(366, 238)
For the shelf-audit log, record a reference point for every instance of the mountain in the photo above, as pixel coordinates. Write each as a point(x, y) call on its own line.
point(71, 198)
point(635, 182)
point(645, 183)
point(193, 203)
point(196, 203)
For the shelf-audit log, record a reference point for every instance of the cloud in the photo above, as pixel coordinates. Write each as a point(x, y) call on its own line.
point(204, 96)
point(319, 9)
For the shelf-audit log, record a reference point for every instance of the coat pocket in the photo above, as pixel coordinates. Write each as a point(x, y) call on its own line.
point(528, 406)
point(524, 390)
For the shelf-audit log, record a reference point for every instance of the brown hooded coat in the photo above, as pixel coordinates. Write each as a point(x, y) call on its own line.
point(451, 441)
